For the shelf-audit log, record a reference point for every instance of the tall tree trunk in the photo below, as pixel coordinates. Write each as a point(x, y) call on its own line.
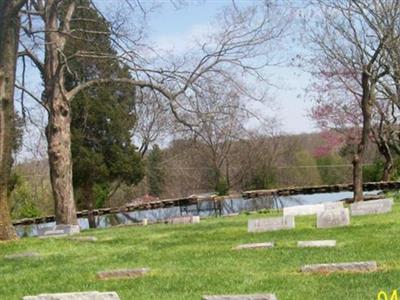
point(367, 101)
point(58, 130)
point(9, 35)
point(357, 178)
point(59, 150)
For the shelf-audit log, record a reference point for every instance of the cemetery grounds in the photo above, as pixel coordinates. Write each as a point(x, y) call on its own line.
point(188, 261)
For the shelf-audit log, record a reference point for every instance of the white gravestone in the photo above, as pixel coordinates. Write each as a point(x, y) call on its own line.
point(271, 224)
point(310, 209)
point(371, 207)
point(333, 218)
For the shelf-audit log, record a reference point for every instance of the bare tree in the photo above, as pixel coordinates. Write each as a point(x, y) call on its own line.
point(258, 156)
point(221, 116)
point(153, 120)
point(9, 33)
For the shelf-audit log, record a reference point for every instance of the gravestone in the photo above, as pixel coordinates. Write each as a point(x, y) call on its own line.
point(75, 296)
point(144, 222)
point(316, 244)
point(371, 207)
point(366, 266)
point(122, 274)
point(333, 218)
point(84, 238)
point(22, 255)
point(271, 224)
point(255, 246)
point(184, 220)
point(59, 231)
point(310, 209)
point(242, 297)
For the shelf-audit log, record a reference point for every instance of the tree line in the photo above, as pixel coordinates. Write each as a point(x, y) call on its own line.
point(185, 168)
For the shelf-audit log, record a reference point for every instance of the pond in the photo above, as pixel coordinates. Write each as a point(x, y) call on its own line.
point(203, 209)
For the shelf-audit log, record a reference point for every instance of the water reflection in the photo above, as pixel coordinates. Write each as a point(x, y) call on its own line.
point(203, 209)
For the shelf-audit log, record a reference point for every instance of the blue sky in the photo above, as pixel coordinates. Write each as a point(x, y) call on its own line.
point(173, 26)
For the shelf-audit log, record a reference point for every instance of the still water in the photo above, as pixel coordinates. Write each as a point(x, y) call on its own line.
point(203, 209)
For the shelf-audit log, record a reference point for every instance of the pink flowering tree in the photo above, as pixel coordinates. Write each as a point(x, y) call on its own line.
point(350, 42)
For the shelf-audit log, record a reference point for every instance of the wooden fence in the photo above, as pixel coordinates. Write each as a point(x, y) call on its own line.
point(182, 202)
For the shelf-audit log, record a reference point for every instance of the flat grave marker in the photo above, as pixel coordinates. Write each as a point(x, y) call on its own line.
point(332, 218)
point(242, 297)
point(366, 266)
point(75, 296)
point(316, 244)
point(255, 246)
point(371, 207)
point(271, 224)
point(23, 255)
point(84, 238)
point(122, 273)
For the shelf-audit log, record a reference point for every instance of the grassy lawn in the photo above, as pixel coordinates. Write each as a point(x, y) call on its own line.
point(188, 261)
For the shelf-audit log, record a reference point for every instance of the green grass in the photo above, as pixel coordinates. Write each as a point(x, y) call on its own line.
point(188, 261)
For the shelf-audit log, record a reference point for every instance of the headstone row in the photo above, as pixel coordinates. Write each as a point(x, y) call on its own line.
point(67, 230)
point(329, 215)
